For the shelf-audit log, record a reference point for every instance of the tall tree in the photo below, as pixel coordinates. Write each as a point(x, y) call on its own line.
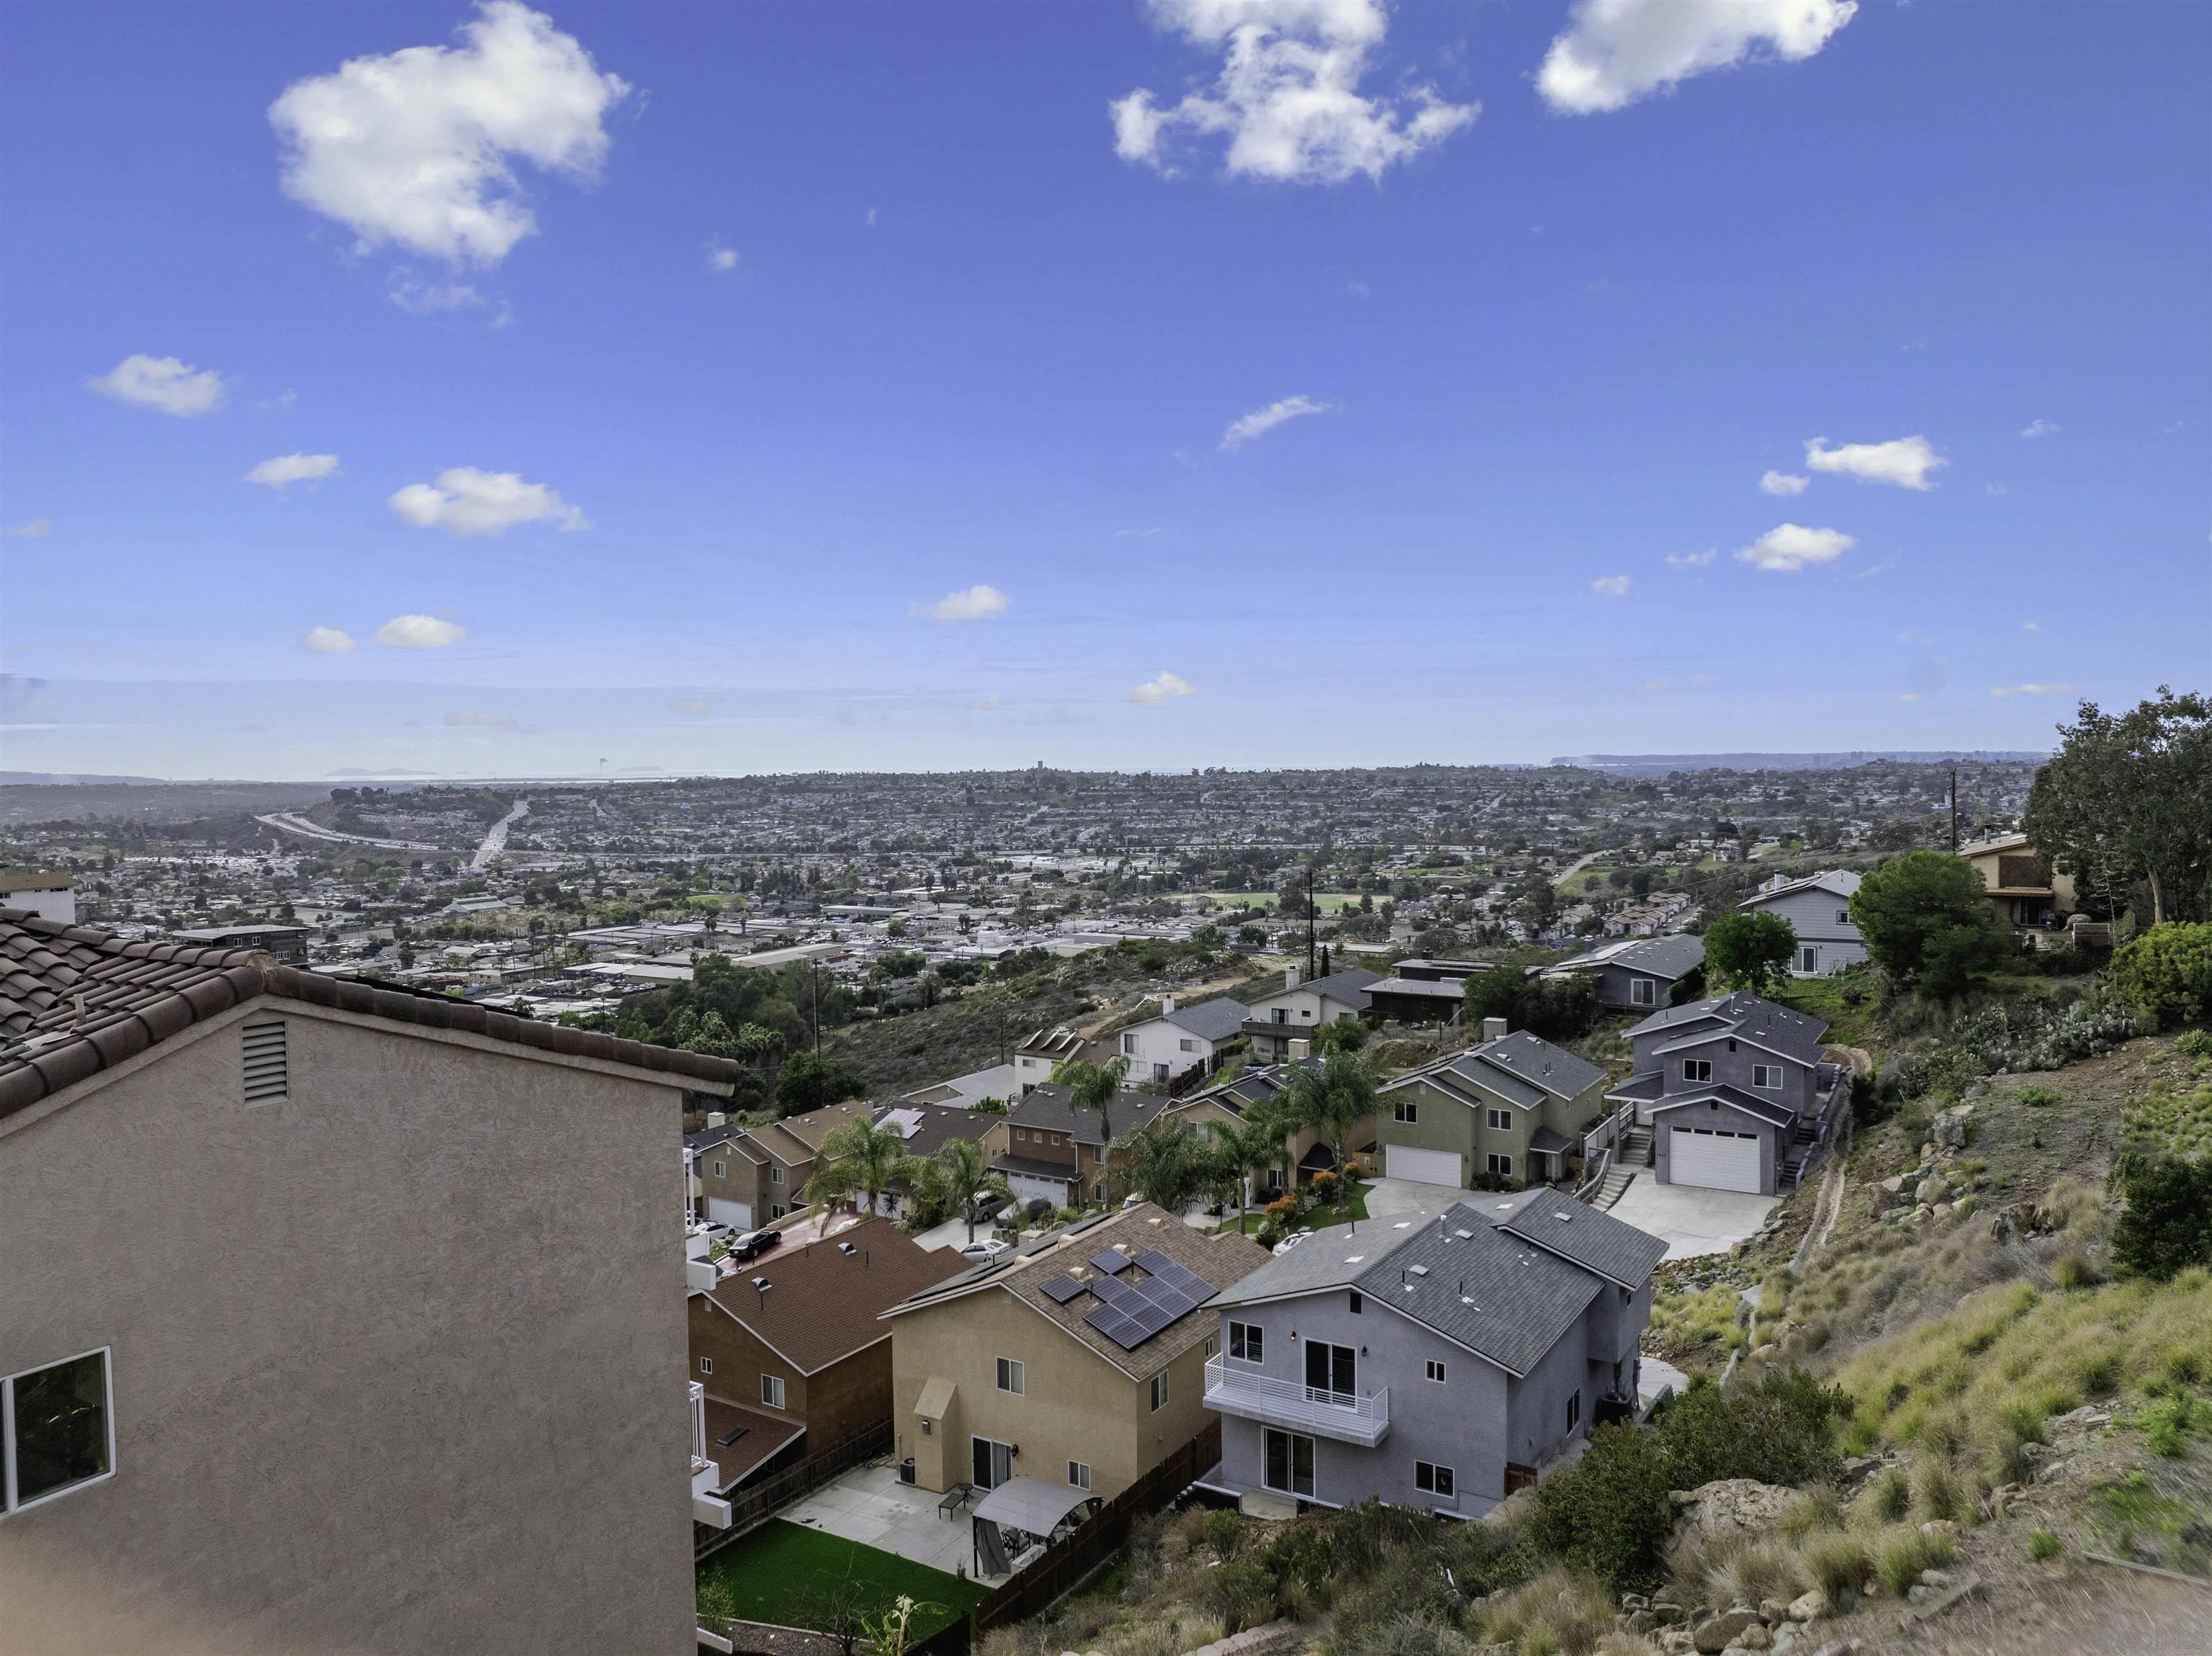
point(2128, 797)
point(1334, 1099)
point(1749, 950)
point(967, 1168)
point(1094, 1086)
point(1927, 922)
point(1163, 1163)
point(858, 1156)
point(1247, 1149)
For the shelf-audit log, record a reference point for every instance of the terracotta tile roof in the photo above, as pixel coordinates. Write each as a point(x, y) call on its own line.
point(74, 1001)
point(822, 1302)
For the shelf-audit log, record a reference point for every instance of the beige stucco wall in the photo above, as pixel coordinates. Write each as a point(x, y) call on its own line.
point(396, 1362)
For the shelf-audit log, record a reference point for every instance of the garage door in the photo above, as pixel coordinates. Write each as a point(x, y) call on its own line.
point(1423, 1167)
point(739, 1214)
point(1713, 1160)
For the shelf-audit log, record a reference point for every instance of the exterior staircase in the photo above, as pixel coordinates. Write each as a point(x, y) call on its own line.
point(1635, 1148)
point(1616, 1181)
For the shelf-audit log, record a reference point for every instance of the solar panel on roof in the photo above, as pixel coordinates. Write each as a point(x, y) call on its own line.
point(1107, 1260)
point(1062, 1289)
point(1119, 1294)
point(1174, 1270)
point(1121, 1330)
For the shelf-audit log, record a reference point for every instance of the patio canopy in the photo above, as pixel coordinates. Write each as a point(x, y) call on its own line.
point(1029, 1505)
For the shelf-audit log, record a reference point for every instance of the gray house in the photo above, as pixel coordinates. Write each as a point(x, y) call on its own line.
point(1819, 910)
point(1509, 1110)
point(1439, 1360)
point(1736, 1091)
point(1635, 974)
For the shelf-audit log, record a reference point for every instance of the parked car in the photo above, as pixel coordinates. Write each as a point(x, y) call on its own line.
point(753, 1244)
point(720, 1231)
point(986, 1247)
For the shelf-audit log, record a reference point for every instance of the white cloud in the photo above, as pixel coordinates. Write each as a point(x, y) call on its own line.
point(2030, 626)
point(489, 721)
point(720, 259)
point(293, 468)
point(1614, 51)
point(1790, 547)
point(1693, 560)
point(417, 148)
point(419, 633)
point(420, 295)
point(2002, 691)
point(1903, 463)
point(1653, 684)
point(467, 502)
point(329, 642)
point(163, 384)
point(1611, 586)
point(1165, 688)
point(1783, 482)
point(36, 529)
point(1260, 422)
point(2041, 429)
point(692, 706)
point(1287, 98)
point(974, 603)
point(1910, 695)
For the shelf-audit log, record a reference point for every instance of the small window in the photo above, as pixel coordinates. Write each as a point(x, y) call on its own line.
point(772, 1391)
point(59, 1424)
point(1160, 1391)
point(1500, 1121)
point(1406, 1111)
point(776, 1210)
point(1022, 1133)
point(1697, 1069)
point(1129, 1044)
point(1187, 1046)
point(1843, 917)
point(1641, 992)
point(706, 1365)
point(1246, 1342)
point(721, 1170)
point(1213, 1345)
point(774, 1175)
point(1013, 1377)
point(1501, 1165)
point(1056, 1138)
point(1431, 1479)
point(1079, 1475)
point(1766, 1075)
point(1574, 1410)
point(1433, 1370)
point(1358, 1305)
point(268, 1071)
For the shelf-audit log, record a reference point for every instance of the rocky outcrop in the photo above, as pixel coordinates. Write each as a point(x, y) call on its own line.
point(1734, 1504)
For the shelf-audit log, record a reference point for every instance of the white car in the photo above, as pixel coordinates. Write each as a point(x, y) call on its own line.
point(990, 1247)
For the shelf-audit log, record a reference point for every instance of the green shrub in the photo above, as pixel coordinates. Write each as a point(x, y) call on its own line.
point(2167, 1225)
point(2041, 1543)
point(2168, 1424)
point(2194, 1043)
point(1224, 1531)
point(1837, 1563)
point(1937, 1491)
point(1888, 1495)
point(2074, 1268)
point(2165, 975)
point(2039, 1096)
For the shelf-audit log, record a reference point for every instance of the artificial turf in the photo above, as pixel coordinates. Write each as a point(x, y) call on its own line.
point(786, 1573)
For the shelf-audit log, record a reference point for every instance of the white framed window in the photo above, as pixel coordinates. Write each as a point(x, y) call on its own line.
point(1056, 1138)
point(1022, 1133)
point(1013, 1376)
point(1501, 1165)
point(721, 1170)
point(1433, 1370)
point(1187, 1046)
point(706, 1365)
point(772, 1391)
point(1697, 1069)
point(1843, 917)
point(1499, 1120)
point(1160, 1391)
point(1079, 1474)
point(1432, 1479)
point(1213, 1345)
point(56, 1429)
point(1808, 960)
point(1766, 1075)
point(1642, 992)
point(1289, 1463)
point(1406, 1110)
point(774, 1175)
point(1129, 1044)
point(1247, 1341)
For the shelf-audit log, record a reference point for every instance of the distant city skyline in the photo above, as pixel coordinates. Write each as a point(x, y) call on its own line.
point(1134, 385)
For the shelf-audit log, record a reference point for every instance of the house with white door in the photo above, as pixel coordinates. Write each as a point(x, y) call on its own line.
point(1819, 910)
point(1161, 1049)
point(1739, 1093)
point(1500, 1115)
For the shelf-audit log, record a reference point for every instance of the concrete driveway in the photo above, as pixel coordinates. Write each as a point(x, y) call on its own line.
point(1690, 1221)
point(1387, 1197)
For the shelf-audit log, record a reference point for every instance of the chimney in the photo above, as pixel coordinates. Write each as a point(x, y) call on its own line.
point(1494, 1028)
point(1289, 976)
point(717, 1119)
point(1299, 1049)
point(1167, 1005)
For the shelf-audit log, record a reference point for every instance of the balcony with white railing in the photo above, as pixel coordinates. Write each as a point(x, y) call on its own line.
point(1362, 1417)
point(707, 1506)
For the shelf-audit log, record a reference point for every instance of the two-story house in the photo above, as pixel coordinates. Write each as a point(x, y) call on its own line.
point(1077, 1361)
point(2025, 892)
point(1306, 1150)
point(748, 1176)
point(318, 1363)
point(1161, 1049)
point(1039, 1055)
point(1511, 1108)
point(791, 1349)
point(1293, 1012)
point(1736, 1090)
point(1635, 974)
point(1436, 1360)
point(1819, 910)
point(1052, 1151)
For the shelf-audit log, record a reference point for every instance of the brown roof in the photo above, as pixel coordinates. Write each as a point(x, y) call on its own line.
point(1223, 1259)
point(758, 1435)
point(812, 1126)
point(823, 1300)
point(935, 1124)
point(74, 1001)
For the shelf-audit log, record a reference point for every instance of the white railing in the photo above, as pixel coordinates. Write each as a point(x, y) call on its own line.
point(1355, 1417)
point(1594, 1168)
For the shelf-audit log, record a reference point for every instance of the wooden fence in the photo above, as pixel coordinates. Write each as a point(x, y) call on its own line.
point(753, 1507)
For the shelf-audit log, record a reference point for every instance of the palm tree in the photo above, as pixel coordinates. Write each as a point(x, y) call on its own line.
point(1335, 1099)
point(1094, 1086)
point(1161, 1163)
point(1249, 1148)
point(967, 1172)
point(858, 1156)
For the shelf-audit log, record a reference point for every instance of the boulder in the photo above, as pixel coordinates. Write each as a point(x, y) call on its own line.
point(1754, 1637)
point(1808, 1607)
point(1675, 1642)
point(1949, 1128)
point(1893, 1184)
point(1930, 1191)
point(1735, 1503)
point(1716, 1635)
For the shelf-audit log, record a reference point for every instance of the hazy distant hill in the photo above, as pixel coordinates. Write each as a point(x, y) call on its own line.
point(146, 799)
point(1658, 764)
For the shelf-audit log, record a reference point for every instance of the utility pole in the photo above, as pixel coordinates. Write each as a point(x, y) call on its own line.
point(1955, 812)
point(1311, 928)
point(814, 1002)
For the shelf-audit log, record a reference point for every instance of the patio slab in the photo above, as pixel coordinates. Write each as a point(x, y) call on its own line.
point(869, 1504)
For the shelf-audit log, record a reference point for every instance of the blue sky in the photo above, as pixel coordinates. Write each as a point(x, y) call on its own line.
point(681, 364)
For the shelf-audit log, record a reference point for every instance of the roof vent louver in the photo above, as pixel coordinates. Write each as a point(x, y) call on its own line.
point(268, 1067)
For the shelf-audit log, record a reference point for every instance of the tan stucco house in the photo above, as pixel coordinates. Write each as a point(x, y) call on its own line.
point(1509, 1110)
point(2024, 890)
point(1026, 1367)
point(303, 1356)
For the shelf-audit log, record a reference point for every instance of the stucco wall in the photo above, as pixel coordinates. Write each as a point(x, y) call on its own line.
point(384, 1381)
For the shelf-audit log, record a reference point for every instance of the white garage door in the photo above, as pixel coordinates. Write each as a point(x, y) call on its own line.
point(1423, 1167)
point(1713, 1160)
point(739, 1214)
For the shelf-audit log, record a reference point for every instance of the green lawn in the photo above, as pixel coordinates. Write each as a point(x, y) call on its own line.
point(1316, 1219)
point(783, 1572)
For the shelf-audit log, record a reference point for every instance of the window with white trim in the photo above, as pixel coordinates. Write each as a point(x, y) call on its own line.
point(1843, 917)
point(1079, 1474)
point(1697, 1069)
point(1766, 1075)
point(774, 1175)
point(721, 1170)
point(1642, 992)
point(1187, 1046)
point(1432, 1368)
point(1246, 1342)
point(1013, 1377)
point(56, 1429)
point(1432, 1479)
point(1498, 1121)
point(772, 1391)
point(706, 1365)
point(1129, 1044)
point(1501, 1165)
point(1405, 1109)
point(1160, 1391)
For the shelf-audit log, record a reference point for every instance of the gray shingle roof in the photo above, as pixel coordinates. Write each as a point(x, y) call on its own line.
point(1613, 1248)
point(1349, 986)
point(1051, 1106)
point(1519, 1068)
point(1766, 1109)
point(1211, 1020)
point(1670, 957)
point(1841, 881)
point(1793, 1034)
